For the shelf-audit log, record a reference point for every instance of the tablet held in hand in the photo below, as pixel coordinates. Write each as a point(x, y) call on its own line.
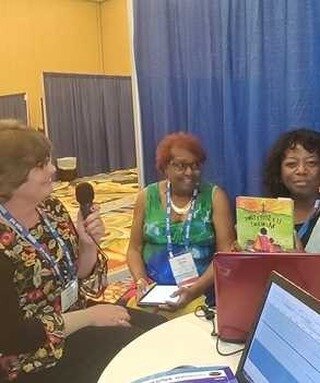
point(159, 295)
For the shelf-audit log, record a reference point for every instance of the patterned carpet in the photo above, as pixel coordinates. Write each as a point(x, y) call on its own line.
point(115, 193)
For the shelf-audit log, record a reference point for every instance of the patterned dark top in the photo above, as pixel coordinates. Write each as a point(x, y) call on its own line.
point(38, 290)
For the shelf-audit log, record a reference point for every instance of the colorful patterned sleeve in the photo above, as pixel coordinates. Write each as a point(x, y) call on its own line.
point(19, 335)
point(52, 350)
point(93, 285)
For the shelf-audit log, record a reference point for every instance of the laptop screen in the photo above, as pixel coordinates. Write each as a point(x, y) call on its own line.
point(285, 345)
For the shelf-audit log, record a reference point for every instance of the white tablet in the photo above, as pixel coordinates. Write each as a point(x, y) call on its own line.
point(159, 295)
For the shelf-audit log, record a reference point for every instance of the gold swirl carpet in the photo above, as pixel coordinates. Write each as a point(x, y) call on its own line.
point(116, 193)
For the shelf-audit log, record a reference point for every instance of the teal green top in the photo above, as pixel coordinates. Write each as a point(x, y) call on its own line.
point(202, 235)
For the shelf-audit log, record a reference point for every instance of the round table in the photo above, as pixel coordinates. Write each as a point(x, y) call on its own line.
point(182, 341)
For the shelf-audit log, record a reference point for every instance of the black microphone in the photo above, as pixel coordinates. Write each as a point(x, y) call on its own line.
point(85, 197)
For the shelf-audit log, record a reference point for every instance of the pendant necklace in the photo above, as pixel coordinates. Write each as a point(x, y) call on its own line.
point(181, 210)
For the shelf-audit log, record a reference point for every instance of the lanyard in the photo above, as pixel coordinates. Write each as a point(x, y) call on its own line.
point(305, 226)
point(70, 271)
point(187, 224)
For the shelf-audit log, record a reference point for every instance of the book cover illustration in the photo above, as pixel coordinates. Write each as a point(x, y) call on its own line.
point(265, 224)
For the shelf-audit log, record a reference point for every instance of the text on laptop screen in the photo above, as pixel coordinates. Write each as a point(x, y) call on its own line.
point(286, 344)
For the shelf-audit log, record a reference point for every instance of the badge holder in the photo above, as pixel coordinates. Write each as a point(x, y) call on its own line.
point(69, 295)
point(184, 269)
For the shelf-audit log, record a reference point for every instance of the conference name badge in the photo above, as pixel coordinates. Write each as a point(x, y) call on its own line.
point(184, 269)
point(69, 295)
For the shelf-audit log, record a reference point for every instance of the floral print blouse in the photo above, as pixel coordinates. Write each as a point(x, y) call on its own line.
point(38, 290)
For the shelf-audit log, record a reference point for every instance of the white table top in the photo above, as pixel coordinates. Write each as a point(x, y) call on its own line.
point(182, 341)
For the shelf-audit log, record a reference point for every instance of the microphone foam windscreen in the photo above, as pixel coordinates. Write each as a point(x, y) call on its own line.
point(84, 193)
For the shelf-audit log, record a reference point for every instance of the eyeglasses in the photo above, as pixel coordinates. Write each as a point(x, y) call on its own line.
point(181, 167)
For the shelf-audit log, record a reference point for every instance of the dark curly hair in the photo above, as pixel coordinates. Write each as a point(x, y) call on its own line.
point(181, 140)
point(307, 138)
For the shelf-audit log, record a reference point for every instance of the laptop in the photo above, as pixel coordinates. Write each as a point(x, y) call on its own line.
point(240, 282)
point(284, 345)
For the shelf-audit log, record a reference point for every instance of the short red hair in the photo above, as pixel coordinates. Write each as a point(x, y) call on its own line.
point(179, 140)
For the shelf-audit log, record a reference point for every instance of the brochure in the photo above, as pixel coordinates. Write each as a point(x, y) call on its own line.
point(191, 374)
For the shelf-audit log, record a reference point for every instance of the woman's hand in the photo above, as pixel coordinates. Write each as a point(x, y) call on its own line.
point(185, 295)
point(108, 315)
point(97, 316)
point(235, 247)
point(142, 286)
point(91, 229)
point(90, 232)
point(298, 244)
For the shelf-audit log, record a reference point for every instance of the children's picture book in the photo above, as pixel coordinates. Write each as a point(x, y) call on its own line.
point(265, 224)
point(191, 374)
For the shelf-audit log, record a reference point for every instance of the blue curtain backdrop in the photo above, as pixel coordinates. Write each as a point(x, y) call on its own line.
point(236, 73)
point(90, 117)
point(14, 106)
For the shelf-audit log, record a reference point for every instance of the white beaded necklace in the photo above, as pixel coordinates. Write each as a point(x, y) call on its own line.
point(181, 210)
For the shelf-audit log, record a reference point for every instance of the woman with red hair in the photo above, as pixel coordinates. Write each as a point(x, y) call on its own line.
point(178, 225)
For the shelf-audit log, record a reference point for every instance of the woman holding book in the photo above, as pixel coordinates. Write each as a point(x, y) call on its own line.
point(293, 170)
point(178, 225)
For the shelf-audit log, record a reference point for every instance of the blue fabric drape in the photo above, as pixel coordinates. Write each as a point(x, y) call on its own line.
point(91, 117)
point(236, 73)
point(14, 106)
